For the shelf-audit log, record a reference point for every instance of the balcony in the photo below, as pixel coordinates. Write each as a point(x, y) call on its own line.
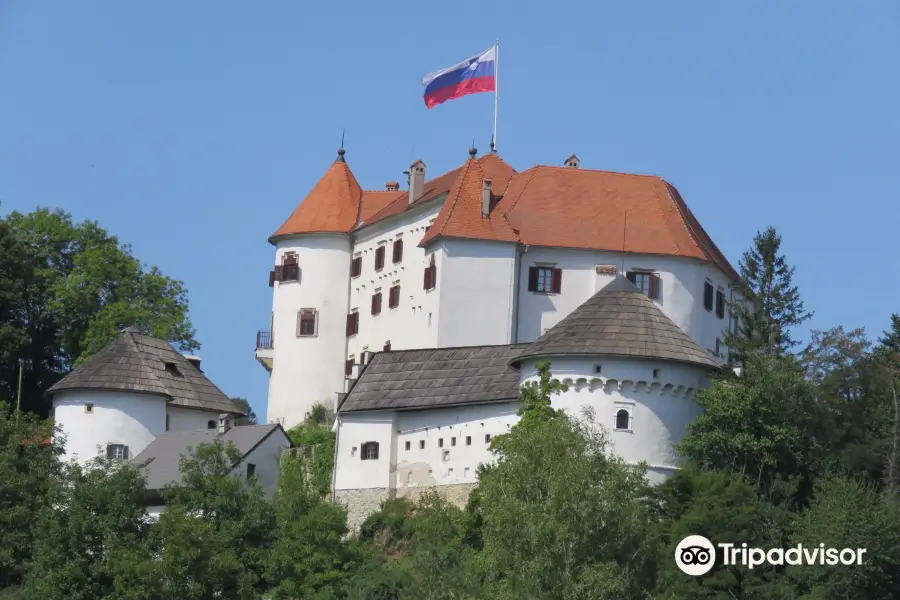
point(264, 344)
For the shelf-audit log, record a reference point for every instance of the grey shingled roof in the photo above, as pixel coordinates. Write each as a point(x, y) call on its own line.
point(137, 363)
point(618, 321)
point(435, 378)
point(161, 460)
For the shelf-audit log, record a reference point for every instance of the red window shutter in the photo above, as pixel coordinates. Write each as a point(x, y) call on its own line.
point(379, 258)
point(398, 251)
point(356, 322)
point(356, 267)
point(271, 278)
point(376, 303)
point(654, 286)
point(279, 273)
point(289, 259)
point(350, 323)
point(556, 282)
point(427, 273)
point(348, 368)
point(532, 279)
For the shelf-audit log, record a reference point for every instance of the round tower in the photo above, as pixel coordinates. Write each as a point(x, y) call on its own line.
point(311, 297)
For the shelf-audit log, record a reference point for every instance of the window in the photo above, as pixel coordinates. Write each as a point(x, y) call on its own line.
point(394, 297)
point(356, 267)
point(453, 441)
point(398, 251)
point(117, 451)
point(307, 323)
point(210, 424)
point(440, 442)
point(379, 258)
point(431, 275)
point(407, 445)
point(421, 444)
point(369, 451)
point(387, 346)
point(656, 373)
point(646, 282)
point(88, 407)
point(251, 470)
point(376, 303)
point(290, 269)
point(622, 418)
point(544, 280)
point(720, 304)
point(353, 323)
point(468, 440)
point(348, 366)
point(487, 438)
point(707, 295)
point(597, 369)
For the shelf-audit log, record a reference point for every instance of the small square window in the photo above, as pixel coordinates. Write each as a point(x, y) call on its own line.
point(89, 407)
point(407, 445)
point(251, 470)
point(440, 442)
point(720, 304)
point(656, 373)
point(307, 322)
point(707, 295)
point(117, 452)
point(597, 369)
point(453, 441)
point(468, 440)
point(421, 444)
point(487, 438)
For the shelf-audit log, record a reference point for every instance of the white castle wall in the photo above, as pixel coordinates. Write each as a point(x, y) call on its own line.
point(125, 418)
point(309, 370)
point(187, 419)
point(413, 324)
point(477, 293)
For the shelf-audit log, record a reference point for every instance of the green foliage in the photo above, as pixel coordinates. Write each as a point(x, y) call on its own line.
point(318, 440)
point(767, 280)
point(66, 289)
point(90, 533)
point(29, 472)
point(249, 417)
point(388, 524)
point(213, 538)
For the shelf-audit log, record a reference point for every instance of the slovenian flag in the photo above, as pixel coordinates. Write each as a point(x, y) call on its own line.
point(472, 76)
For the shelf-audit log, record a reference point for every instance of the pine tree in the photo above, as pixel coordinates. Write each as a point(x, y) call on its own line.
point(891, 340)
point(774, 307)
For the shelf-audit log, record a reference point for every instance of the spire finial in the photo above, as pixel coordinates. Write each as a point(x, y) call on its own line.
point(473, 151)
point(340, 157)
point(493, 149)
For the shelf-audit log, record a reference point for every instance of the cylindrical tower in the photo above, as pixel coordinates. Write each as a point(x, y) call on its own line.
point(311, 283)
point(309, 319)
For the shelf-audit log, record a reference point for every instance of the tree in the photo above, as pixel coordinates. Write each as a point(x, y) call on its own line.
point(767, 425)
point(890, 341)
point(249, 417)
point(774, 307)
point(81, 287)
point(92, 531)
point(309, 558)
point(212, 540)
point(29, 468)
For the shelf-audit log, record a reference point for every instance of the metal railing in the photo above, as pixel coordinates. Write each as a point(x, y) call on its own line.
point(264, 339)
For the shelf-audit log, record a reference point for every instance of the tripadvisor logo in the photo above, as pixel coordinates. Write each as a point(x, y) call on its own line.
point(695, 555)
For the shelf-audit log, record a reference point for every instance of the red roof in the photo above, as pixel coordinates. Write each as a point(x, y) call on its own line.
point(543, 206)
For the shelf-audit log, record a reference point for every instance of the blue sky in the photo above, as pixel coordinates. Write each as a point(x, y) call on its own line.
point(192, 129)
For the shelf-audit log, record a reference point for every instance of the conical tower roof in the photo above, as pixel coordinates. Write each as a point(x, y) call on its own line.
point(332, 206)
point(618, 321)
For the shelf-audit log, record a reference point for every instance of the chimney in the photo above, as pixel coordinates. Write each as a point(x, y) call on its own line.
point(194, 360)
point(486, 198)
point(226, 422)
point(572, 162)
point(416, 180)
point(392, 186)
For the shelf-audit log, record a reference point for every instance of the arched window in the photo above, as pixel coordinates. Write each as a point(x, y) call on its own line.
point(210, 424)
point(369, 451)
point(622, 419)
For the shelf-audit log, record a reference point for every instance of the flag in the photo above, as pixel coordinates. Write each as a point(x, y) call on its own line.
point(471, 76)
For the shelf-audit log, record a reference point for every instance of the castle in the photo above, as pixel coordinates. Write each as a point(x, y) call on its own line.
point(416, 314)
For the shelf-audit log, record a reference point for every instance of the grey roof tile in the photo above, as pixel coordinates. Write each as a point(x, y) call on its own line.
point(434, 378)
point(161, 460)
point(617, 321)
point(139, 363)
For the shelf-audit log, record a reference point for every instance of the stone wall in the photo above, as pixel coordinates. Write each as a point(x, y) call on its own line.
point(362, 503)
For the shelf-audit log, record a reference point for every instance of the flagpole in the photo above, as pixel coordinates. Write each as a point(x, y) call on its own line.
point(496, 86)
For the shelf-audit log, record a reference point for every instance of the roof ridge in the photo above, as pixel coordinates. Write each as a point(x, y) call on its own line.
point(607, 171)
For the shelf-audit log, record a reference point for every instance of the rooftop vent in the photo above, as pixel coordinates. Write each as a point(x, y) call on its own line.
point(392, 186)
point(194, 360)
point(572, 162)
point(226, 422)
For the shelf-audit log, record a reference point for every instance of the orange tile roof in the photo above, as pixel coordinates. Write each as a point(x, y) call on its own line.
point(461, 214)
point(332, 206)
point(543, 206)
